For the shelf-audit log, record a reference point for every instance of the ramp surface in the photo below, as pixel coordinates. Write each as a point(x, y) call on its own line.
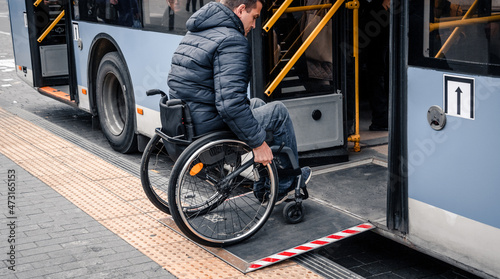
point(343, 199)
point(278, 241)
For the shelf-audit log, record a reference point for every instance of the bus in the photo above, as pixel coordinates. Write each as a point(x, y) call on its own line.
point(102, 56)
point(436, 187)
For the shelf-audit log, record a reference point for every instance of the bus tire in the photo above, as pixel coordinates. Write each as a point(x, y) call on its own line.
point(115, 103)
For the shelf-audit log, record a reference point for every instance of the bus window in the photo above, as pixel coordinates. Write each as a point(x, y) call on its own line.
point(314, 72)
point(455, 32)
point(117, 12)
point(45, 13)
point(85, 10)
point(169, 15)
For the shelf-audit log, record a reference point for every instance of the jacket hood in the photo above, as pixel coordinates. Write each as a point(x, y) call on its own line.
point(212, 15)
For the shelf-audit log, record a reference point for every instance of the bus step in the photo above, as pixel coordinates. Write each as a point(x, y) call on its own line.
point(58, 93)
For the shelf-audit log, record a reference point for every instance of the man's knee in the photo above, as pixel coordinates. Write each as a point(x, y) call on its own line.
point(280, 109)
point(256, 102)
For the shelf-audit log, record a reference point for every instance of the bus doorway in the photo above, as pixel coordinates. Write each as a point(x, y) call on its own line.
point(327, 84)
point(40, 44)
point(347, 185)
point(328, 88)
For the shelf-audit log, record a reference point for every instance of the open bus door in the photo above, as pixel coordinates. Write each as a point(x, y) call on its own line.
point(305, 74)
point(39, 37)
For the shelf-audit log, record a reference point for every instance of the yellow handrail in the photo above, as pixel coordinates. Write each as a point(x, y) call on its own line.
point(37, 2)
point(463, 22)
point(52, 25)
point(354, 5)
point(270, 89)
point(276, 15)
point(305, 8)
point(446, 46)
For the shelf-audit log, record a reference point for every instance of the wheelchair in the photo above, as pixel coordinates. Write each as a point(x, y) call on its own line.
point(209, 191)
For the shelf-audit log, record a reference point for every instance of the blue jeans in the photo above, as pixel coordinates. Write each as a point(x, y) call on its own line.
point(274, 117)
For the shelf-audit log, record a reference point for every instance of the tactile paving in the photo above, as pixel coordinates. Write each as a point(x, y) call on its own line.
point(65, 180)
point(287, 269)
point(127, 188)
point(175, 255)
point(204, 268)
point(151, 237)
point(146, 206)
point(115, 198)
point(157, 214)
point(131, 223)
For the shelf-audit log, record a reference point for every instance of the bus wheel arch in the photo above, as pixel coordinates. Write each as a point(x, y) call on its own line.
point(113, 100)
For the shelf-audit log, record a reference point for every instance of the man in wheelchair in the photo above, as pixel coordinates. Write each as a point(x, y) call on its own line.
point(210, 72)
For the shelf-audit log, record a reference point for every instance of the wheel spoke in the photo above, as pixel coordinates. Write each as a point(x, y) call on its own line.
point(218, 214)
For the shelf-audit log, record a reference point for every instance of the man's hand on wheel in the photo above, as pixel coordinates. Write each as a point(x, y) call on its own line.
point(263, 154)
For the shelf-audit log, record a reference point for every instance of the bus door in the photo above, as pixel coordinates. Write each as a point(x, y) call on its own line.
point(453, 76)
point(310, 81)
point(39, 33)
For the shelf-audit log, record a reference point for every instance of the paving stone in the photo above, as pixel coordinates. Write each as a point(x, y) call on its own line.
point(56, 239)
point(38, 272)
point(25, 246)
point(69, 273)
point(52, 261)
point(40, 250)
point(35, 258)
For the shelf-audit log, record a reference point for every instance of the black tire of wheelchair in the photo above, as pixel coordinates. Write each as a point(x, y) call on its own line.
point(158, 202)
point(178, 166)
point(174, 177)
point(112, 65)
point(293, 212)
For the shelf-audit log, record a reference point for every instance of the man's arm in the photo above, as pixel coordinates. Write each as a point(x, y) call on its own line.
point(231, 76)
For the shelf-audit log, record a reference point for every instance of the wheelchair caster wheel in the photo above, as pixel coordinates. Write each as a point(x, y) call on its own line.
point(293, 212)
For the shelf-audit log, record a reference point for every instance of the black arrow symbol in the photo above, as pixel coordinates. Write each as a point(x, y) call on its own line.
point(459, 94)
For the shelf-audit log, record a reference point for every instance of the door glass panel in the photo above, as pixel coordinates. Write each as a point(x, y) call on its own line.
point(170, 15)
point(462, 30)
point(313, 73)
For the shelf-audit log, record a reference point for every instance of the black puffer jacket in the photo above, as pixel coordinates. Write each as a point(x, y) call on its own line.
point(210, 72)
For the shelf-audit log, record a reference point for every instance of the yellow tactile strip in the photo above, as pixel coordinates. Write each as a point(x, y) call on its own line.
point(115, 199)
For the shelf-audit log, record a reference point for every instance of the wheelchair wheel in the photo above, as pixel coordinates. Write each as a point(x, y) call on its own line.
point(155, 171)
point(211, 196)
point(293, 212)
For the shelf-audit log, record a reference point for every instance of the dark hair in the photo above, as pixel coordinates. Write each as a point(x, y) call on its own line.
point(249, 4)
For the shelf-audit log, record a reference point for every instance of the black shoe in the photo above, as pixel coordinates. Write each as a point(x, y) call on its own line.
point(374, 127)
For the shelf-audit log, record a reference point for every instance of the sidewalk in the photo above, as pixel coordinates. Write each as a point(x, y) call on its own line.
point(80, 216)
point(55, 239)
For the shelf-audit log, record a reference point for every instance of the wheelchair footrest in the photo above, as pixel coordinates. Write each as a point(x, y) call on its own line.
point(303, 195)
point(289, 172)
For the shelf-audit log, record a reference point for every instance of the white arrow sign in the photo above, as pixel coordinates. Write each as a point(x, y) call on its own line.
point(459, 96)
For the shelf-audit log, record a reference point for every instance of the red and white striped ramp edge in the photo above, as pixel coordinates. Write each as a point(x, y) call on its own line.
point(292, 252)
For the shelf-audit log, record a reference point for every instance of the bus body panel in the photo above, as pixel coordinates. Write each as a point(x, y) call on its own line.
point(453, 174)
point(20, 40)
point(454, 168)
point(455, 239)
point(149, 52)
